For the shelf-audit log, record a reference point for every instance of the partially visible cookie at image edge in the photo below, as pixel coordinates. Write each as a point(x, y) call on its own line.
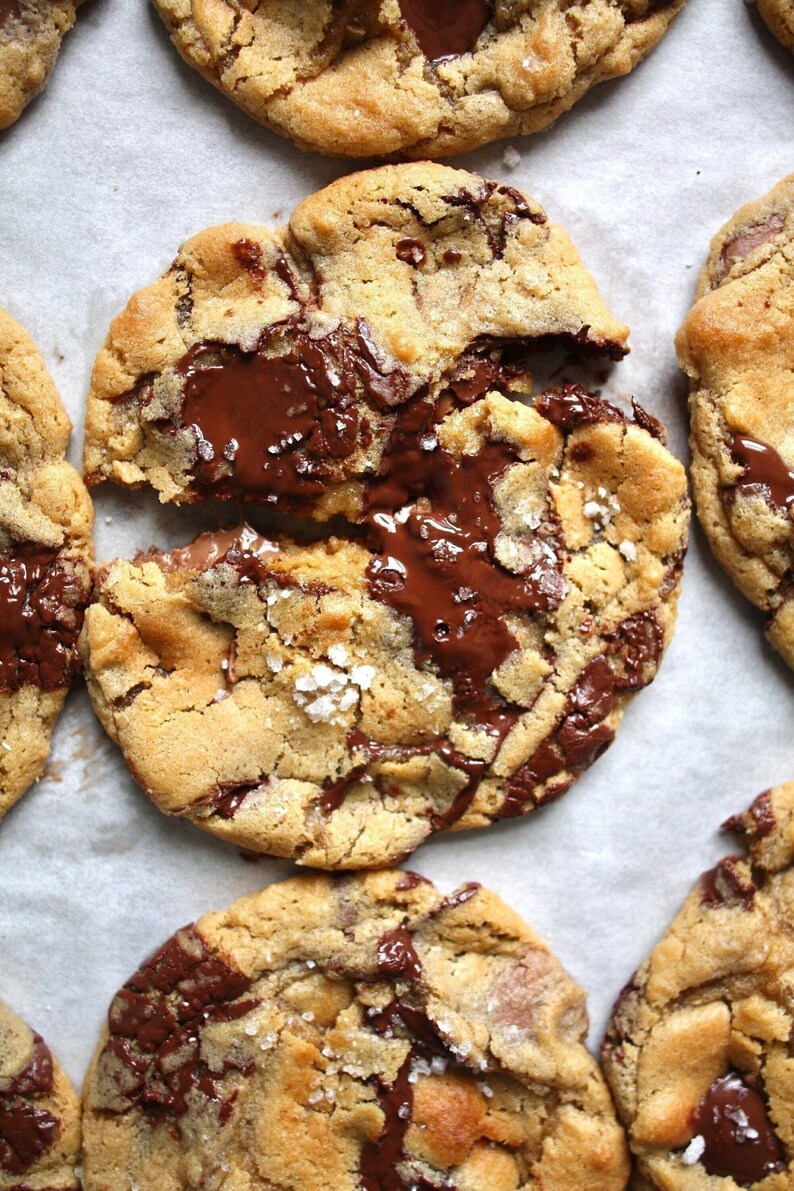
point(416, 78)
point(737, 345)
point(45, 552)
point(779, 16)
point(698, 1051)
point(39, 1114)
point(465, 648)
point(357, 1033)
point(31, 32)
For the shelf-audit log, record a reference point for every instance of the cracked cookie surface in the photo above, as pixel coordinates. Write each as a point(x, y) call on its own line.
point(779, 16)
point(413, 78)
point(511, 574)
point(39, 1114)
point(31, 32)
point(736, 346)
point(359, 1032)
point(45, 549)
point(698, 1051)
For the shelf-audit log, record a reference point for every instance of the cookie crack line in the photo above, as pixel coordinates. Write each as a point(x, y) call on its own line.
point(502, 575)
point(354, 1013)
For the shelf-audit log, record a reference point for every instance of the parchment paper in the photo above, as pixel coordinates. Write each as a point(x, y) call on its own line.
point(125, 154)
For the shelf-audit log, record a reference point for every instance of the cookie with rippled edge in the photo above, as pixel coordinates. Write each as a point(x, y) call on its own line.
point(356, 1033)
point(779, 16)
point(31, 32)
point(411, 78)
point(39, 1114)
point(698, 1051)
point(736, 345)
point(45, 551)
point(468, 647)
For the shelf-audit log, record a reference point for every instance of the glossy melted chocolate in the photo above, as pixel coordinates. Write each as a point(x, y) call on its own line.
point(41, 614)
point(380, 1160)
point(446, 28)
point(156, 1022)
point(764, 471)
point(740, 1141)
point(27, 1132)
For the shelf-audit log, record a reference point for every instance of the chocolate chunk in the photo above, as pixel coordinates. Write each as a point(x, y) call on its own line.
point(756, 823)
point(154, 1049)
point(209, 549)
point(267, 427)
point(580, 738)
point(249, 254)
point(637, 645)
point(36, 1077)
point(396, 955)
point(41, 614)
point(413, 252)
point(446, 28)
point(648, 422)
point(765, 473)
point(438, 566)
point(460, 898)
point(743, 243)
point(740, 1141)
point(724, 885)
point(571, 406)
point(26, 1133)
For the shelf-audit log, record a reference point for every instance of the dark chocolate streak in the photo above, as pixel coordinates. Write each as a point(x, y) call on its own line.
point(724, 885)
point(27, 1132)
point(41, 614)
point(380, 1160)
point(740, 1141)
point(154, 1049)
point(765, 473)
point(756, 823)
point(446, 28)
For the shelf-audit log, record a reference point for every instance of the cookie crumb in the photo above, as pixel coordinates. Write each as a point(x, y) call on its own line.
point(511, 157)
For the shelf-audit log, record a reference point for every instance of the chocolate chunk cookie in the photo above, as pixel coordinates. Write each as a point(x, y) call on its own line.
point(698, 1052)
point(737, 345)
point(779, 16)
point(418, 78)
point(358, 1033)
point(39, 1114)
point(45, 549)
point(31, 32)
point(468, 648)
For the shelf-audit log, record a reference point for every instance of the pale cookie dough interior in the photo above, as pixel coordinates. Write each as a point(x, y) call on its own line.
point(39, 1114)
point(357, 1033)
point(415, 78)
point(737, 345)
point(275, 698)
point(45, 548)
point(698, 1052)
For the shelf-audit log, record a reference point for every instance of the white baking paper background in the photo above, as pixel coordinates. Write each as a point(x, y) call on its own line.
point(125, 154)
